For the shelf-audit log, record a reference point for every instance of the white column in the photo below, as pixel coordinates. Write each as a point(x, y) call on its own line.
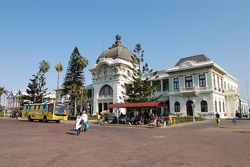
point(161, 86)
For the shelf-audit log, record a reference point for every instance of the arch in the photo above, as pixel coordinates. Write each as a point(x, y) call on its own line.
point(177, 106)
point(203, 106)
point(106, 90)
point(189, 107)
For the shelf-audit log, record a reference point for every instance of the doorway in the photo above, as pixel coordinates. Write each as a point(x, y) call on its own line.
point(189, 108)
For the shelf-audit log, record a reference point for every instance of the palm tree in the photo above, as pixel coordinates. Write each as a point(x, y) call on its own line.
point(83, 62)
point(74, 90)
point(3, 91)
point(59, 68)
point(44, 67)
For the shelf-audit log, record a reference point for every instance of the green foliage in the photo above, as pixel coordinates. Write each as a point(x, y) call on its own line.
point(74, 73)
point(140, 89)
point(35, 92)
point(44, 66)
point(74, 78)
point(200, 118)
point(3, 91)
point(59, 67)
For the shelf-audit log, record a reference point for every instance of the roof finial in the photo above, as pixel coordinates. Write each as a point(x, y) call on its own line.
point(118, 38)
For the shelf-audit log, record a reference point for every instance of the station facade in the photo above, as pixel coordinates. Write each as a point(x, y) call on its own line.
point(195, 85)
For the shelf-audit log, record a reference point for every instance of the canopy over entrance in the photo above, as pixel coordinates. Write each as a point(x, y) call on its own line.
point(15, 108)
point(139, 105)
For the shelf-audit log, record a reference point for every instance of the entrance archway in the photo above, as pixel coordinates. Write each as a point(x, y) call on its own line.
point(189, 108)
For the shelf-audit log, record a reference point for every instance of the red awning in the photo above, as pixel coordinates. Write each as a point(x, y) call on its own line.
point(139, 105)
point(15, 108)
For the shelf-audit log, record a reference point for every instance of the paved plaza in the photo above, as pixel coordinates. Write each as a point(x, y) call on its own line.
point(24, 143)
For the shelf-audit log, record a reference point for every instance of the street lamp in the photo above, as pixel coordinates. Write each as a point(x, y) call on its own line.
point(88, 108)
point(193, 106)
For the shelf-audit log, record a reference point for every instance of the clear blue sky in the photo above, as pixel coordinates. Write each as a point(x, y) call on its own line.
point(32, 31)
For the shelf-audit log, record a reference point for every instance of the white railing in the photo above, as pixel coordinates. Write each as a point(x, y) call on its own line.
point(105, 96)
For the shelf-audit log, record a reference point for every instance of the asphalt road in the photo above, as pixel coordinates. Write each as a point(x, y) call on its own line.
point(24, 143)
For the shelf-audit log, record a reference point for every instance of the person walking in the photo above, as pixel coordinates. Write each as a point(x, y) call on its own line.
point(170, 119)
point(217, 118)
point(85, 120)
point(78, 123)
point(237, 115)
point(98, 117)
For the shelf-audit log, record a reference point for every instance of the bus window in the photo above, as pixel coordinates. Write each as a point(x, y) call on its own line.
point(60, 110)
point(51, 108)
point(34, 107)
point(26, 107)
point(39, 107)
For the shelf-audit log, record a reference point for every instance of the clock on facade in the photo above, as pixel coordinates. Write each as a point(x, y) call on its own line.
point(105, 70)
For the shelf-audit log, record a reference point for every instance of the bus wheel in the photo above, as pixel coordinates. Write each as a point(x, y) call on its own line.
point(30, 118)
point(58, 121)
point(44, 119)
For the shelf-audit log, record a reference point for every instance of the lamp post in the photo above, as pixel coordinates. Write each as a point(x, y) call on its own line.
point(193, 106)
point(88, 108)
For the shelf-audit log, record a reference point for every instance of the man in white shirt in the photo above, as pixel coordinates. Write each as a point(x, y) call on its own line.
point(85, 120)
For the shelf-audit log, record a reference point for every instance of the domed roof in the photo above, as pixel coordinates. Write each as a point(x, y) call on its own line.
point(119, 51)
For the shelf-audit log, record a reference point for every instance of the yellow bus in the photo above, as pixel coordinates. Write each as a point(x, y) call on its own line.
point(45, 112)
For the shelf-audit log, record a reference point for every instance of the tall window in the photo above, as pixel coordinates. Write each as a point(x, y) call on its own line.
point(176, 83)
point(177, 107)
point(106, 90)
point(215, 106)
point(223, 107)
point(165, 84)
point(188, 82)
point(218, 82)
point(202, 80)
point(221, 83)
point(203, 106)
point(214, 80)
point(225, 85)
point(219, 106)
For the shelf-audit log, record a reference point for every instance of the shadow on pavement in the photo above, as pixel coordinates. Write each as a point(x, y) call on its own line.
point(69, 133)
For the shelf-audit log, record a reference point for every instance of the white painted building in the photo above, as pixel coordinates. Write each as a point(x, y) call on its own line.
point(194, 81)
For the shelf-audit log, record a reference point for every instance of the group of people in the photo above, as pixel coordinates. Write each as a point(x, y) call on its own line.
point(101, 119)
point(81, 122)
point(237, 116)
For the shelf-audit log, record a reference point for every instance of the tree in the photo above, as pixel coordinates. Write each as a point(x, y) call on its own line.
point(3, 91)
point(44, 67)
point(72, 80)
point(140, 90)
point(83, 62)
point(59, 68)
point(36, 88)
point(74, 92)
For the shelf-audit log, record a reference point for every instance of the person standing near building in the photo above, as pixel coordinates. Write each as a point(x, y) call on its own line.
point(98, 117)
point(237, 115)
point(78, 123)
point(85, 120)
point(217, 118)
point(170, 119)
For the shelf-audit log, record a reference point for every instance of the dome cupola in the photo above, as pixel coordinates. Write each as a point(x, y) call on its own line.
point(119, 51)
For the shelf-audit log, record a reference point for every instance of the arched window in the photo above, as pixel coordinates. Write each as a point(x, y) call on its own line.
point(177, 107)
point(106, 90)
point(215, 106)
point(223, 107)
point(219, 106)
point(203, 106)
